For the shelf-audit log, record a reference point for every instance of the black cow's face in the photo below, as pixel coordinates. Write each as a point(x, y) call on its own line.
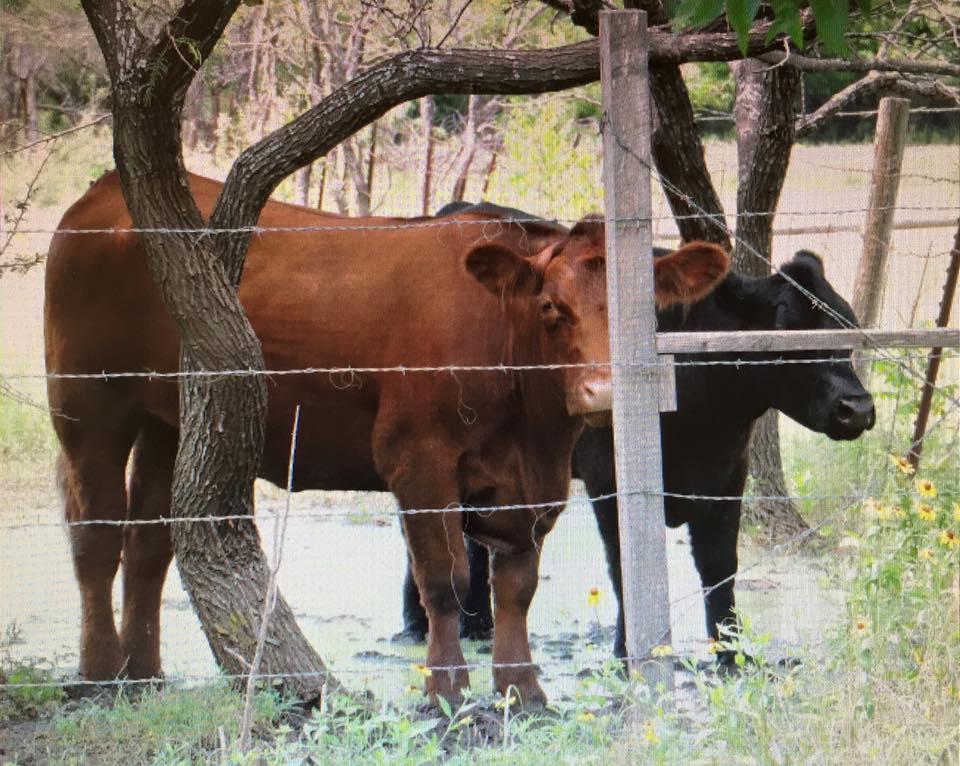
point(825, 396)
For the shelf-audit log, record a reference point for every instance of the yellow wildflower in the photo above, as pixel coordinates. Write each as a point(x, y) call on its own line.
point(662, 650)
point(949, 539)
point(885, 512)
point(649, 734)
point(421, 669)
point(925, 553)
point(713, 646)
point(926, 512)
point(861, 626)
point(926, 488)
point(593, 598)
point(902, 464)
point(466, 720)
point(585, 716)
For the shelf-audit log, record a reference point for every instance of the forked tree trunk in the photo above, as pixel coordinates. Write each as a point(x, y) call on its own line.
point(221, 420)
point(765, 118)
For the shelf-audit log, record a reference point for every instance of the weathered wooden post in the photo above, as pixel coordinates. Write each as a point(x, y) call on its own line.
point(888, 145)
point(636, 374)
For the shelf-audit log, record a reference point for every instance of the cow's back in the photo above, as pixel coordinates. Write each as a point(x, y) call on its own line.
point(341, 293)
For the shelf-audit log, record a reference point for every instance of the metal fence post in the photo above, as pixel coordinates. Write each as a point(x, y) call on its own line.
point(636, 377)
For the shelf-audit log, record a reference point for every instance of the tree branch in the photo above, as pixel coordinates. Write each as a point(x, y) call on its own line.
point(875, 82)
point(413, 74)
point(186, 42)
point(813, 64)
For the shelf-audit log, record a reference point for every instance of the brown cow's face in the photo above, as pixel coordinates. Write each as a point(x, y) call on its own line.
point(558, 304)
point(557, 300)
point(572, 305)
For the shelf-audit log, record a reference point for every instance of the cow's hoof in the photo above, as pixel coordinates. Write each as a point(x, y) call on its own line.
point(409, 637)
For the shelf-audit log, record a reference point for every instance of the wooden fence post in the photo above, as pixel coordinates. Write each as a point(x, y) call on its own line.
point(636, 375)
point(888, 145)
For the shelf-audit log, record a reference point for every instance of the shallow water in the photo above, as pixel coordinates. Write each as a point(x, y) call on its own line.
point(343, 576)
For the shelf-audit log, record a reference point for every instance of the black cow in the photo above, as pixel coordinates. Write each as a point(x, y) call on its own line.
point(705, 442)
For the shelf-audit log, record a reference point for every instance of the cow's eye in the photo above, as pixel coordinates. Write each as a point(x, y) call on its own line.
point(551, 314)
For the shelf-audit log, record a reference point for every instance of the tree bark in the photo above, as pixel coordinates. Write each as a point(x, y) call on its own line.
point(426, 168)
point(221, 420)
point(765, 116)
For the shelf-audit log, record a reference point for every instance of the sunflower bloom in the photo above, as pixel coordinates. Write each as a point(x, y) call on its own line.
point(926, 512)
point(593, 598)
point(902, 464)
point(926, 488)
point(949, 540)
point(662, 650)
point(925, 553)
point(421, 669)
point(585, 716)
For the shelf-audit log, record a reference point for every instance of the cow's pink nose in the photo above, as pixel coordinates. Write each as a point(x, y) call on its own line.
point(592, 395)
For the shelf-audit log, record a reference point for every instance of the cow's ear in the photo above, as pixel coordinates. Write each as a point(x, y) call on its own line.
point(502, 270)
point(690, 273)
point(805, 267)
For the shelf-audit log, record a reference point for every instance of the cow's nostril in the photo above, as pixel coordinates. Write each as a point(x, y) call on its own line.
point(845, 412)
point(858, 413)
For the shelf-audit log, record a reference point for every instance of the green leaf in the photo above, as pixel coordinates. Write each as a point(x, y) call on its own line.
point(740, 14)
point(696, 13)
point(832, 18)
point(445, 706)
point(865, 5)
point(786, 20)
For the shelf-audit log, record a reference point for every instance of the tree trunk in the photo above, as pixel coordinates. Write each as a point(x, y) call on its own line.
point(302, 181)
point(765, 118)
point(467, 151)
point(371, 161)
point(426, 170)
point(353, 165)
point(221, 420)
point(24, 65)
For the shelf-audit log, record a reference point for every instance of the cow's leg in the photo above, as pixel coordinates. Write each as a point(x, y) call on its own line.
point(476, 620)
point(593, 462)
point(514, 577)
point(91, 470)
point(606, 513)
point(414, 616)
point(440, 570)
point(713, 539)
point(147, 549)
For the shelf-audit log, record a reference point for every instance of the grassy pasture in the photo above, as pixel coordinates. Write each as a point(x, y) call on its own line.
point(873, 614)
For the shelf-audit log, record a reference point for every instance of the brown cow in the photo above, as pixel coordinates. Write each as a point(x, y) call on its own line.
point(479, 292)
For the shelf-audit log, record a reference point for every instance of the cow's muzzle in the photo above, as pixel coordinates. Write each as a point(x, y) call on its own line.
point(591, 395)
point(852, 415)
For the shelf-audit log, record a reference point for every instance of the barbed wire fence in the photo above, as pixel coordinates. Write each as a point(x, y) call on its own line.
point(680, 606)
